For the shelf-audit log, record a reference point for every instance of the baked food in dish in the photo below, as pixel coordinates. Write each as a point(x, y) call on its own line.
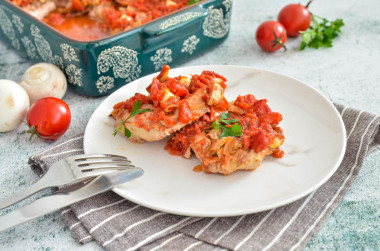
point(173, 102)
point(96, 19)
point(260, 136)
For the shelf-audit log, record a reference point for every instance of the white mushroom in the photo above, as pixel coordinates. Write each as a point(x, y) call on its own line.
point(44, 80)
point(14, 104)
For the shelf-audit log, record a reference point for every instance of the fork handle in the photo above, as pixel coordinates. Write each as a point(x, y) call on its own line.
point(23, 194)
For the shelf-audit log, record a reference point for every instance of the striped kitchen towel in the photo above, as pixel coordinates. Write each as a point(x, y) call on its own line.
point(118, 224)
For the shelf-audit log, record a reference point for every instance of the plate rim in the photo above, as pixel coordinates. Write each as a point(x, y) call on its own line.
point(239, 212)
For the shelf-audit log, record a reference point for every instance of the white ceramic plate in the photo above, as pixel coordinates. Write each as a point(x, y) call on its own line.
point(315, 141)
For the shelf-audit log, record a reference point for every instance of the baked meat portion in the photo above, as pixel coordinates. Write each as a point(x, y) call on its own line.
point(37, 8)
point(173, 104)
point(259, 136)
point(112, 16)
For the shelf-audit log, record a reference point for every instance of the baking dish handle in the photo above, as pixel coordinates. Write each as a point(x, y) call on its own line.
point(180, 24)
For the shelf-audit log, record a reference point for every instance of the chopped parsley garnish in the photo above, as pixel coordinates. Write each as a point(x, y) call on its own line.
point(320, 34)
point(190, 2)
point(224, 123)
point(134, 112)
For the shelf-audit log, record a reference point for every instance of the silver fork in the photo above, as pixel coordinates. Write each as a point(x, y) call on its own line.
point(70, 170)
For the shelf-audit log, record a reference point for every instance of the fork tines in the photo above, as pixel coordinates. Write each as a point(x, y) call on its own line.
point(98, 156)
point(101, 161)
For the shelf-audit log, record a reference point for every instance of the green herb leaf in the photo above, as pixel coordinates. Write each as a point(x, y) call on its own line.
point(224, 116)
point(225, 123)
point(233, 131)
point(134, 112)
point(216, 125)
point(320, 34)
point(127, 133)
point(190, 2)
point(118, 128)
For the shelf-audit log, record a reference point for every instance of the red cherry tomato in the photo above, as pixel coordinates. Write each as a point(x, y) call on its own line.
point(49, 118)
point(295, 18)
point(271, 36)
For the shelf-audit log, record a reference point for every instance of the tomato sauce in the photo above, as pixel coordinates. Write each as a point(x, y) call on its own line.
point(198, 168)
point(176, 100)
point(278, 153)
point(259, 125)
point(80, 28)
point(22, 3)
point(179, 144)
point(185, 115)
point(128, 104)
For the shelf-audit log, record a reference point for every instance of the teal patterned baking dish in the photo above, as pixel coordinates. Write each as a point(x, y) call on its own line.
point(100, 67)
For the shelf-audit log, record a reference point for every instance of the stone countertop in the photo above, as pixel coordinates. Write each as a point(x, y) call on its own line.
point(348, 73)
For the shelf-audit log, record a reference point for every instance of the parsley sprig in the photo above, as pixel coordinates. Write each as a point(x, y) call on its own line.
point(134, 112)
point(320, 34)
point(224, 123)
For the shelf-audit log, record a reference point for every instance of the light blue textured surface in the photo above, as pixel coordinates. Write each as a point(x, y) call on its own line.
point(348, 74)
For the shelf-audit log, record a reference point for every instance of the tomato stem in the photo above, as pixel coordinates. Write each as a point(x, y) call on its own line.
point(281, 43)
point(307, 5)
point(277, 41)
point(33, 131)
